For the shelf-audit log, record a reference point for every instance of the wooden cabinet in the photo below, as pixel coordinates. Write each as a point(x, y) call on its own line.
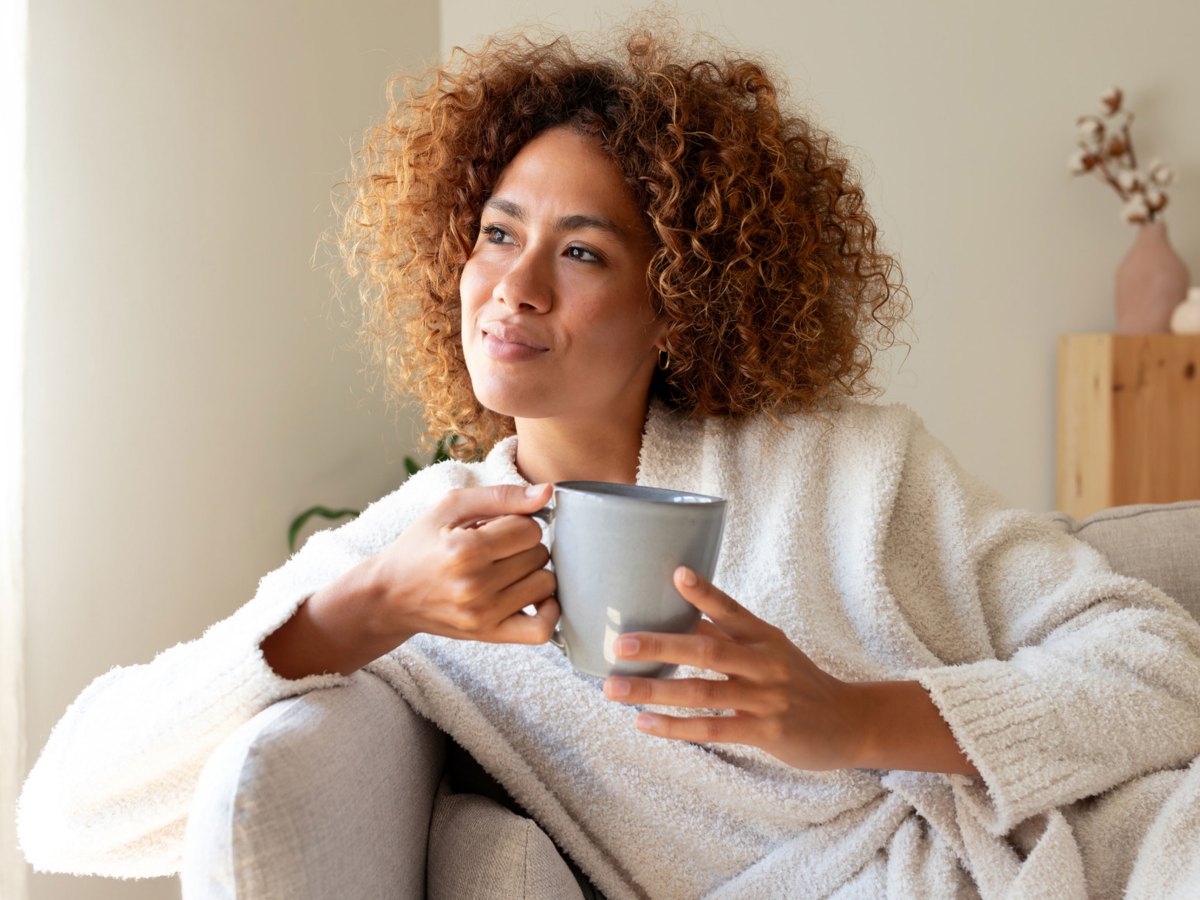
point(1128, 420)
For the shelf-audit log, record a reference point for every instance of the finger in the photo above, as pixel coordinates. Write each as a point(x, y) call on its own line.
point(533, 588)
point(699, 729)
point(521, 628)
point(703, 651)
point(510, 570)
point(708, 629)
point(729, 615)
point(691, 693)
point(465, 505)
point(506, 535)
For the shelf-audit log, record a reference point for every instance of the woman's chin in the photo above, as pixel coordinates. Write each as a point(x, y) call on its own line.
point(515, 407)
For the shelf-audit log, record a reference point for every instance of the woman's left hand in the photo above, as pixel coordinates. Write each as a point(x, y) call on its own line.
point(782, 702)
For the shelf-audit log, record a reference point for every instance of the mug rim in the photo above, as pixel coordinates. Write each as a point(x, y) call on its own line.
point(615, 490)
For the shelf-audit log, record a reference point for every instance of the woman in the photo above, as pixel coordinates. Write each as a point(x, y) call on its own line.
point(642, 270)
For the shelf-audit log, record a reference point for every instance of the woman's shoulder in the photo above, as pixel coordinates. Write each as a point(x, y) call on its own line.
point(845, 424)
point(843, 440)
point(855, 415)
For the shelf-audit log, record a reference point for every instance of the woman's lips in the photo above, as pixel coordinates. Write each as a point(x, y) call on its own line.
point(509, 351)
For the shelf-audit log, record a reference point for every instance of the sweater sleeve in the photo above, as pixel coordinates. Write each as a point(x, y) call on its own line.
point(1073, 678)
point(110, 792)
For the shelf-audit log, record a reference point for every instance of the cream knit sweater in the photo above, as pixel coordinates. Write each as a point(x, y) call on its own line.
point(1074, 691)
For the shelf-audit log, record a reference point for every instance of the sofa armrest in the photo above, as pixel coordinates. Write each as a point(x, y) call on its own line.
point(317, 793)
point(1157, 542)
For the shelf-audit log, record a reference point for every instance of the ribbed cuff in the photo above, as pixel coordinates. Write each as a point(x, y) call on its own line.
point(247, 672)
point(1011, 731)
point(256, 685)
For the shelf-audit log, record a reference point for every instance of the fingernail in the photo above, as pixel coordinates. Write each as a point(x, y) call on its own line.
point(534, 490)
point(688, 577)
point(627, 646)
point(646, 721)
point(617, 687)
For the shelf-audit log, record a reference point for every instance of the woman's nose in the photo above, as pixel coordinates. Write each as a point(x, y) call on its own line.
point(525, 286)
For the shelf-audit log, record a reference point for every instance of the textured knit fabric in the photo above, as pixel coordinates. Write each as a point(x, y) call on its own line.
point(1074, 691)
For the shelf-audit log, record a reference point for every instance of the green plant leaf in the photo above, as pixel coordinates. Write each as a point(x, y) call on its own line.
point(441, 453)
point(322, 511)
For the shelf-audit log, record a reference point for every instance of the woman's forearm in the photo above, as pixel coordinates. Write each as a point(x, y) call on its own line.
point(903, 730)
point(330, 631)
point(464, 569)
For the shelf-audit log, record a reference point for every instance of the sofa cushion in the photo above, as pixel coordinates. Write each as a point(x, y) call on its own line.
point(1159, 543)
point(479, 849)
point(317, 792)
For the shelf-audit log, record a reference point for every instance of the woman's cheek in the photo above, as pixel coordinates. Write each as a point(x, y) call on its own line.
point(471, 287)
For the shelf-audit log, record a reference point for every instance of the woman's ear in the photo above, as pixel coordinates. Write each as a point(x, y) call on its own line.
point(660, 334)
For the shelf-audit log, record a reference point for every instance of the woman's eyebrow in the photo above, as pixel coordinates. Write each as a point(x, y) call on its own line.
point(566, 223)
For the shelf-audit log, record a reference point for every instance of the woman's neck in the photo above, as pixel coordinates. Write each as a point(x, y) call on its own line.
point(559, 449)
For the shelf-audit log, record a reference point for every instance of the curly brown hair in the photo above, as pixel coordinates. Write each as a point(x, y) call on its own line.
point(765, 268)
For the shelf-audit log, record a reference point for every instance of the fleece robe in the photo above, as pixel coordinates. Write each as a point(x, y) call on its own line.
point(1074, 691)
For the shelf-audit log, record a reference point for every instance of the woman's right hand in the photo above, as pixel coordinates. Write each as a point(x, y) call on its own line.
point(467, 568)
point(464, 569)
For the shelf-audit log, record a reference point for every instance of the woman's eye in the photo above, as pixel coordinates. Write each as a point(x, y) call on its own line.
point(495, 234)
point(582, 254)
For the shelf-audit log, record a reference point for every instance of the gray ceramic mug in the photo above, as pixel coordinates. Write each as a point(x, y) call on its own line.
point(614, 549)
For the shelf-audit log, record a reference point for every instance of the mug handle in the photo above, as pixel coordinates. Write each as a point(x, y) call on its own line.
point(546, 514)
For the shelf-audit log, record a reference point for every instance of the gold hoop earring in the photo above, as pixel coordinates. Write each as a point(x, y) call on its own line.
point(664, 360)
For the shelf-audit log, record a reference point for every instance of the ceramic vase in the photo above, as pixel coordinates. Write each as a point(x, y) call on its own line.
point(1151, 281)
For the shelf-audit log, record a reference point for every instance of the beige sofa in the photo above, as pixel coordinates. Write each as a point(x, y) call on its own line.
point(347, 793)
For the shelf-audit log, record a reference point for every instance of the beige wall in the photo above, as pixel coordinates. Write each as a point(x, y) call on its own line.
point(963, 116)
point(189, 386)
point(188, 391)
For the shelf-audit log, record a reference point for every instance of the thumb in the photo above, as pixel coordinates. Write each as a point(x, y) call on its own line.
point(468, 505)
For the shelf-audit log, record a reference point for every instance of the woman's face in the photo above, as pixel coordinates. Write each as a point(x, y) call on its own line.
point(556, 313)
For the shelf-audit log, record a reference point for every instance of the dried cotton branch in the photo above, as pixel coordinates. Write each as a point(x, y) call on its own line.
point(1106, 148)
